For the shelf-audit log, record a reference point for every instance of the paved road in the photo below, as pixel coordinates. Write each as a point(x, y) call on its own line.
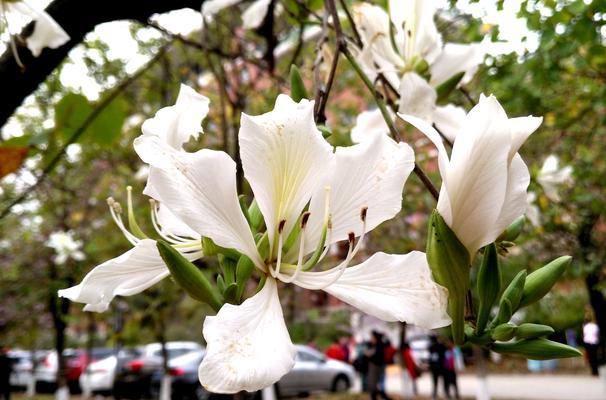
point(519, 387)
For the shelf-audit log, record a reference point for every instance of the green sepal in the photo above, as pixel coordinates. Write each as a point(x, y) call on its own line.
point(488, 285)
point(537, 349)
point(263, 246)
point(228, 265)
point(530, 331)
point(325, 130)
point(210, 248)
point(230, 293)
point(422, 69)
point(244, 270)
point(513, 231)
point(297, 86)
point(221, 284)
point(447, 87)
point(189, 277)
point(514, 291)
point(449, 262)
point(504, 332)
point(255, 216)
point(292, 236)
point(504, 314)
point(481, 340)
point(540, 282)
point(315, 257)
point(244, 208)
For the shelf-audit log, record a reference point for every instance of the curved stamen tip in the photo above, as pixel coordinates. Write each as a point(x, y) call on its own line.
point(129, 188)
point(304, 219)
point(351, 237)
point(363, 213)
point(281, 226)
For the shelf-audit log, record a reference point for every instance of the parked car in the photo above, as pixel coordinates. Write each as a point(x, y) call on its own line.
point(22, 368)
point(76, 361)
point(314, 372)
point(185, 381)
point(133, 378)
point(98, 377)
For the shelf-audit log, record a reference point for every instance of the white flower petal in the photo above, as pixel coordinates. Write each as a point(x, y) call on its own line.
point(551, 175)
point(200, 189)
point(173, 225)
point(448, 119)
point(414, 20)
point(367, 175)
point(477, 178)
point(47, 32)
point(177, 123)
point(532, 211)
point(521, 129)
point(285, 159)
point(248, 346)
point(392, 287)
point(126, 275)
point(417, 97)
point(253, 16)
point(455, 58)
point(211, 7)
point(368, 124)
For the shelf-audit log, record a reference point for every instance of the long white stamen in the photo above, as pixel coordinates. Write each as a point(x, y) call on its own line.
point(114, 210)
point(276, 271)
point(154, 218)
point(289, 279)
point(11, 39)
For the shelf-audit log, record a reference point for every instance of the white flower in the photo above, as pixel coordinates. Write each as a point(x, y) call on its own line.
point(485, 180)
point(416, 39)
point(142, 266)
point(291, 168)
point(47, 32)
point(533, 213)
point(65, 246)
point(252, 17)
point(368, 124)
point(551, 175)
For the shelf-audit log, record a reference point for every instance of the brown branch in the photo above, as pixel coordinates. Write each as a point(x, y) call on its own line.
point(82, 128)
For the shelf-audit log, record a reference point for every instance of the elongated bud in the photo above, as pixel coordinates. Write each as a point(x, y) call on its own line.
point(210, 248)
point(514, 291)
point(255, 216)
point(228, 266)
point(537, 349)
point(504, 332)
point(530, 331)
point(447, 87)
point(541, 281)
point(244, 270)
point(449, 263)
point(230, 293)
point(189, 277)
point(297, 87)
point(513, 231)
point(504, 314)
point(489, 285)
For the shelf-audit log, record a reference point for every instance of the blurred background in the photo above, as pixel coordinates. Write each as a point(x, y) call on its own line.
point(548, 59)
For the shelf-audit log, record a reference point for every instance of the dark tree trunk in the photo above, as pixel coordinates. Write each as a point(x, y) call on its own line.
point(77, 18)
point(59, 308)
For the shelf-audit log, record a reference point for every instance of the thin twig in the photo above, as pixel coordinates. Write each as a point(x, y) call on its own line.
point(82, 128)
point(467, 96)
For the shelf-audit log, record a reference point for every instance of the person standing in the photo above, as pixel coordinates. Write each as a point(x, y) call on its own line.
point(376, 366)
point(437, 352)
point(591, 339)
point(411, 366)
point(6, 367)
point(450, 370)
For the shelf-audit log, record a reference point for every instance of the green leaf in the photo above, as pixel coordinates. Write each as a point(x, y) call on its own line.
point(297, 86)
point(537, 349)
point(488, 285)
point(540, 282)
point(107, 126)
point(70, 113)
point(189, 277)
point(449, 262)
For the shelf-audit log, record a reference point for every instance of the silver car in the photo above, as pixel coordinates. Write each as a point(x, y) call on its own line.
point(314, 372)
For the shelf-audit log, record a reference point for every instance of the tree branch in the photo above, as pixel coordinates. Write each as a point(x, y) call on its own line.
point(77, 18)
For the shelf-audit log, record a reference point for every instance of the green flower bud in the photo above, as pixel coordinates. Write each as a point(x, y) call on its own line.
point(244, 270)
point(537, 349)
point(189, 277)
point(488, 284)
point(504, 332)
point(210, 248)
point(447, 87)
point(530, 331)
point(449, 262)
point(297, 87)
point(513, 231)
point(504, 314)
point(255, 215)
point(514, 291)
point(541, 281)
point(230, 293)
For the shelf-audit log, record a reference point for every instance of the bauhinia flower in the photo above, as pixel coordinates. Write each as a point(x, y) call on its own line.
point(414, 60)
point(47, 32)
point(142, 266)
point(551, 175)
point(485, 180)
point(310, 197)
point(252, 17)
point(65, 246)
